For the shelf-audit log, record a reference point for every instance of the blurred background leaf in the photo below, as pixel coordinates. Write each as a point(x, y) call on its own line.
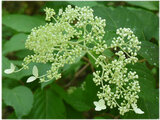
point(10, 45)
point(150, 5)
point(150, 52)
point(20, 98)
point(149, 99)
point(22, 23)
point(47, 105)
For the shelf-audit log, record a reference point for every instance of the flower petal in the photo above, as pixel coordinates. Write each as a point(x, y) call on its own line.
point(100, 105)
point(12, 66)
point(101, 101)
point(35, 71)
point(138, 111)
point(95, 103)
point(11, 70)
point(98, 108)
point(31, 79)
point(8, 71)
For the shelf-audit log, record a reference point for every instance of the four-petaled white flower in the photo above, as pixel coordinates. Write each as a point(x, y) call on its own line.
point(100, 105)
point(35, 75)
point(10, 70)
point(137, 110)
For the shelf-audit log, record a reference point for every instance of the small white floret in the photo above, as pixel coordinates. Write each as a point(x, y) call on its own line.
point(35, 71)
point(100, 105)
point(31, 79)
point(137, 110)
point(11, 70)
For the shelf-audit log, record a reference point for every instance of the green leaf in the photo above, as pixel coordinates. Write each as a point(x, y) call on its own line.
point(70, 69)
point(143, 23)
point(83, 3)
point(109, 37)
point(17, 42)
point(12, 116)
point(75, 99)
point(20, 98)
point(23, 53)
point(149, 22)
point(119, 17)
point(81, 99)
point(148, 101)
point(22, 23)
point(90, 90)
point(108, 53)
point(70, 111)
point(150, 5)
point(9, 83)
point(150, 52)
point(7, 32)
point(56, 5)
point(44, 84)
point(16, 62)
point(6, 64)
point(47, 105)
point(78, 100)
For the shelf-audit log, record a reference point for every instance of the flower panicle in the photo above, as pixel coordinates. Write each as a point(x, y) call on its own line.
point(74, 31)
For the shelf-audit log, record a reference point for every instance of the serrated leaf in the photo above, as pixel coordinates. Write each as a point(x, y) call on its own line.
point(20, 98)
point(35, 71)
point(148, 101)
point(22, 23)
point(47, 105)
point(143, 23)
point(150, 52)
point(149, 23)
point(76, 99)
point(16, 43)
point(90, 90)
point(150, 5)
point(119, 17)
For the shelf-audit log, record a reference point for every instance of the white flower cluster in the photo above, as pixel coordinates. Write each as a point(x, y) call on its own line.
point(63, 41)
point(49, 13)
point(75, 31)
point(117, 84)
point(127, 41)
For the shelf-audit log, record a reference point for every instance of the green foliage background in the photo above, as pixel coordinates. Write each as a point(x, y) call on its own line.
point(72, 96)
